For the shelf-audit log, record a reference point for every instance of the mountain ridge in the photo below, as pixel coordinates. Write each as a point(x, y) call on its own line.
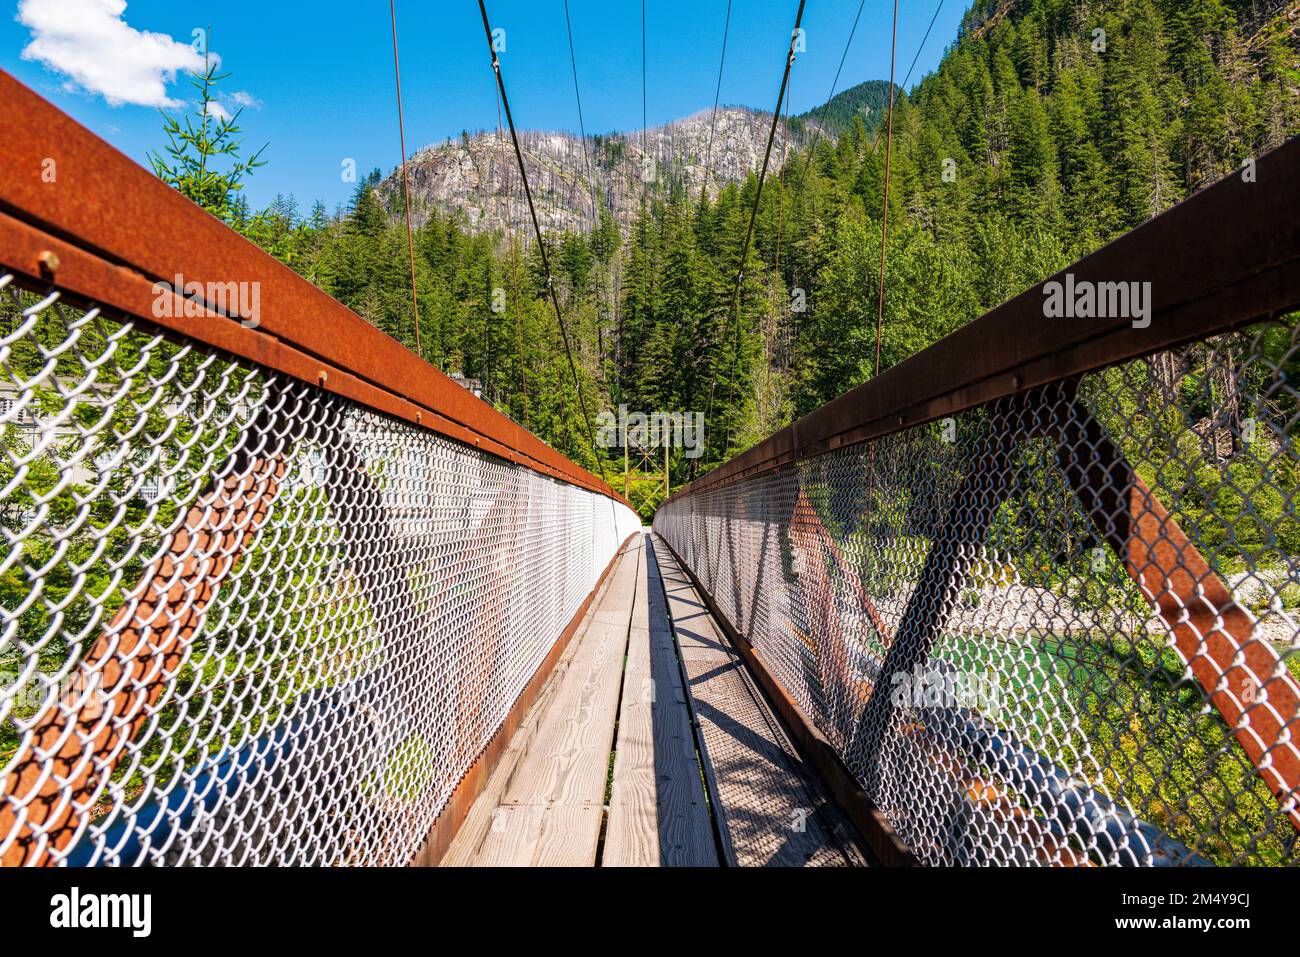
point(475, 177)
point(868, 100)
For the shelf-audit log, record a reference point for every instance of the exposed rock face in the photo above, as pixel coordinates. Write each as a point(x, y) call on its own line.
point(478, 175)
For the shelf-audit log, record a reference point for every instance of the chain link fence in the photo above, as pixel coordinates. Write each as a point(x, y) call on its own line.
point(1060, 628)
point(245, 621)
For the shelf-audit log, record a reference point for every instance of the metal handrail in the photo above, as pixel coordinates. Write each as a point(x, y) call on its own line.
point(109, 230)
point(1226, 256)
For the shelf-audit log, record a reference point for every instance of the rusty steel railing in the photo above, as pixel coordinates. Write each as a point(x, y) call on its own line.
point(1033, 595)
point(270, 590)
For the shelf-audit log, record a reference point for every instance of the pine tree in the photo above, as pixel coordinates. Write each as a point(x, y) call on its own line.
point(203, 158)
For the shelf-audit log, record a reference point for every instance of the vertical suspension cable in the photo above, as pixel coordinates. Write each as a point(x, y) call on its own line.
point(514, 258)
point(875, 140)
point(880, 306)
point(406, 183)
point(780, 202)
point(647, 270)
point(884, 223)
point(644, 124)
point(717, 95)
point(834, 85)
point(582, 126)
point(780, 229)
point(541, 244)
point(646, 273)
point(645, 116)
point(749, 234)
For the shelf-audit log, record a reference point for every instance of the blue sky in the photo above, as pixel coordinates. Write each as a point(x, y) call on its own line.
point(319, 75)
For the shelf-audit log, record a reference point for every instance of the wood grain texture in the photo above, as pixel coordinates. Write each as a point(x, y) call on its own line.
point(771, 810)
point(696, 634)
point(543, 683)
point(482, 813)
point(542, 805)
point(540, 835)
point(658, 813)
point(863, 821)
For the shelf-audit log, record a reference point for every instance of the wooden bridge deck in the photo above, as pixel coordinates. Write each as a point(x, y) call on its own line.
point(651, 746)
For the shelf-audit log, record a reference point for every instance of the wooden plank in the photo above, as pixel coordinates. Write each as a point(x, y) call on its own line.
point(540, 835)
point(658, 814)
point(568, 760)
point(483, 813)
point(471, 830)
point(770, 809)
point(863, 821)
point(543, 803)
point(696, 634)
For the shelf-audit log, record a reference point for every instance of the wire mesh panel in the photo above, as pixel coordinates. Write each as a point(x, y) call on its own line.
point(1062, 628)
point(246, 621)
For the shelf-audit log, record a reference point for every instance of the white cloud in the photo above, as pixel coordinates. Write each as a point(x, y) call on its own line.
point(217, 111)
point(89, 42)
point(246, 100)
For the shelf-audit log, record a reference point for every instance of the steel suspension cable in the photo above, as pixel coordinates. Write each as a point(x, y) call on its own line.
point(506, 198)
point(406, 183)
point(749, 231)
point(921, 45)
point(875, 142)
point(582, 126)
point(834, 85)
point(647, 270)
point(644, 123)
point(780, 227)
point(884, 222)
point(645, 120)
point(541, 244)
point(717, 95)
point(780, 202)
point(884, 236)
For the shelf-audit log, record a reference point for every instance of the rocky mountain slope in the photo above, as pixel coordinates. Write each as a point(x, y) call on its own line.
point(477, 175)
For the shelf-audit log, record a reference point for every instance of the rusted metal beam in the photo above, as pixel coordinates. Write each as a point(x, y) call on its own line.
point(82, 735)
point(1225, 257)
point(1243, 676)
point(105, 232)
point(88, 280)
point(971, 511)
point(115, 230)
